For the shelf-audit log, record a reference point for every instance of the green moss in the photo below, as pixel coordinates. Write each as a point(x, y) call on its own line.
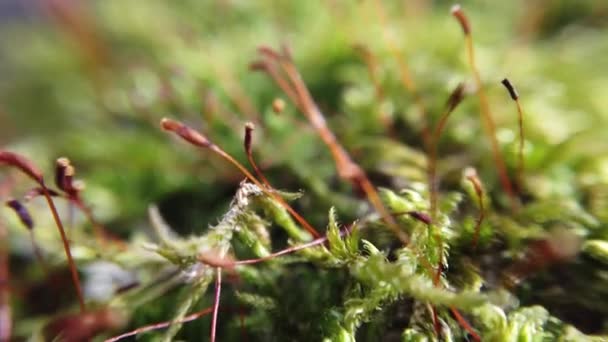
point(536, 269)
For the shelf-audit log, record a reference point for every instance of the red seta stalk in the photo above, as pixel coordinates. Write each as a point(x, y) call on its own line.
point(227, 263)
point(486, 115)
point(463, 323)
point(197, 139)
point(454, 100)
point(248, 141)
point(71, 190)
point(27, 167)
point(6, 321)
point(520, 123)
point(216, 302)
point(161, 325)
point(280, 67)
point(66, 247)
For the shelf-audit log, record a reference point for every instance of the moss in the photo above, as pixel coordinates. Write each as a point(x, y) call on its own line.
point(505, 268)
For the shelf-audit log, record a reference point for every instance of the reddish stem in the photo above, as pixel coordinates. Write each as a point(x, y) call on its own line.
point(436, 324)
point(5, 307)
point(463, 323)
point(268, 192)
point(216, 302)
point(297, 91)
point(27, 167)
point(161, 325)
point(248, 141)
point(520, 122)
point(66, 247)
point(486, 115)
point(197, 139)
point(292, 249)
point(455, 98)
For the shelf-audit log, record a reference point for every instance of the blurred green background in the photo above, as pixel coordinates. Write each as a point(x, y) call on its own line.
point(91, 81)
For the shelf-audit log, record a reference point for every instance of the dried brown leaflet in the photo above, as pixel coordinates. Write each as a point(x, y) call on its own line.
point(486, 115)
point(27, 167)
point(197, 139)
point(280, 67)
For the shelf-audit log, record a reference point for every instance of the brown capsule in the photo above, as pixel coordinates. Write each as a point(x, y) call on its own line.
point(28, 168)
point(69, 184)
point(511, 89)
point(249, 127)
point(462, 19)
point(420, 216)
point(22, 213)
point(60, 171)
point(185, 132)
point(68, 178)
point(22, 163)
point(258, 66)
point(456, 97)
point(471, 175)
point(278, 105)
point(416, 215)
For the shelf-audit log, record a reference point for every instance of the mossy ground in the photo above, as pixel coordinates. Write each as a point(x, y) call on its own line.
point(95, 89)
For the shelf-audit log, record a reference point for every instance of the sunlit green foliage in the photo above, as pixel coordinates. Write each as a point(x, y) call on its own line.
point(98, 99)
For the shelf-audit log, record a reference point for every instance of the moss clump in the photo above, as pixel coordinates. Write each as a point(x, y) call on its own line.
point(400, 252)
